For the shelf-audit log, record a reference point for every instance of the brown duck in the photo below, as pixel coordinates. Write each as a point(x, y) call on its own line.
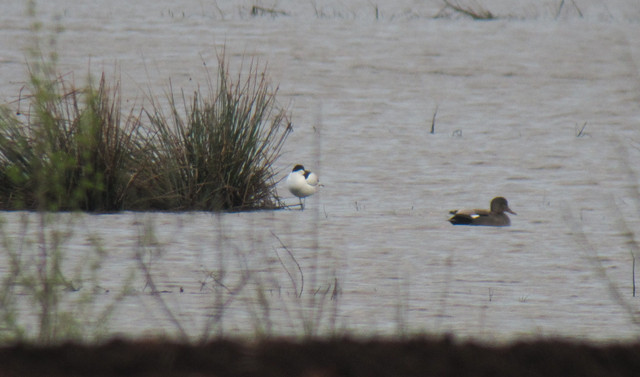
point(496, 216)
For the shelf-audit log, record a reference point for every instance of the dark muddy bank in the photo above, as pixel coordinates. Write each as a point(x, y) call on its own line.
point(341, 357)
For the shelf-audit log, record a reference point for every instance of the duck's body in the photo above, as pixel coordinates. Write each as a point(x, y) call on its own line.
point(495, 216)
point(302, 183)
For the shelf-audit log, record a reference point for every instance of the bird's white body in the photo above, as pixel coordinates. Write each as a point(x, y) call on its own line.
point(302, 183)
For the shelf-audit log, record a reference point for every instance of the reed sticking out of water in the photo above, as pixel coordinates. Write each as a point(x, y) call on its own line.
point(580, 132)
point(147, 244)
point(634, 191)
point(261, 11)
point(293, 258)
point(433, 121)
point(592, 255)
point(475, 10)
point(633, 272)
point(561, 5)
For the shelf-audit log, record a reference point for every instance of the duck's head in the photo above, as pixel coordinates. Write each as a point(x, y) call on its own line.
point(500, 205)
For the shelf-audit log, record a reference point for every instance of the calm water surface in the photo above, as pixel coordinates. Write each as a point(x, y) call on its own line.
point(511, 96)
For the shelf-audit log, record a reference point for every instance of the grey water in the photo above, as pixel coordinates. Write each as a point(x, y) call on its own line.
point(539, 106)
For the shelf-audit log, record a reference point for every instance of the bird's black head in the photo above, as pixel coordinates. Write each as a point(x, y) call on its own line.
point(298, 167)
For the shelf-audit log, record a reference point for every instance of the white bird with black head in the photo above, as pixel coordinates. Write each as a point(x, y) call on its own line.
point(302, 183)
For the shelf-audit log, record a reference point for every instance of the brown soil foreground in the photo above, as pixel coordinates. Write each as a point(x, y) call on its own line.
point(323, 358)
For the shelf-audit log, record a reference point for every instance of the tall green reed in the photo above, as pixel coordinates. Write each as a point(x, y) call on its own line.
point(44, 297)
point(73, 153)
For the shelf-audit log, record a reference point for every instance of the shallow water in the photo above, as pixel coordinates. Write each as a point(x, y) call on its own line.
point(511, 96)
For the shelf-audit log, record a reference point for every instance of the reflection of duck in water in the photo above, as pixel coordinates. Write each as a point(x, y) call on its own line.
point(302, 183)
point(496, 216)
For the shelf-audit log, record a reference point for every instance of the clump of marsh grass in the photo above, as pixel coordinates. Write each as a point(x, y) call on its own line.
point(74, 151)
point(216, 153)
